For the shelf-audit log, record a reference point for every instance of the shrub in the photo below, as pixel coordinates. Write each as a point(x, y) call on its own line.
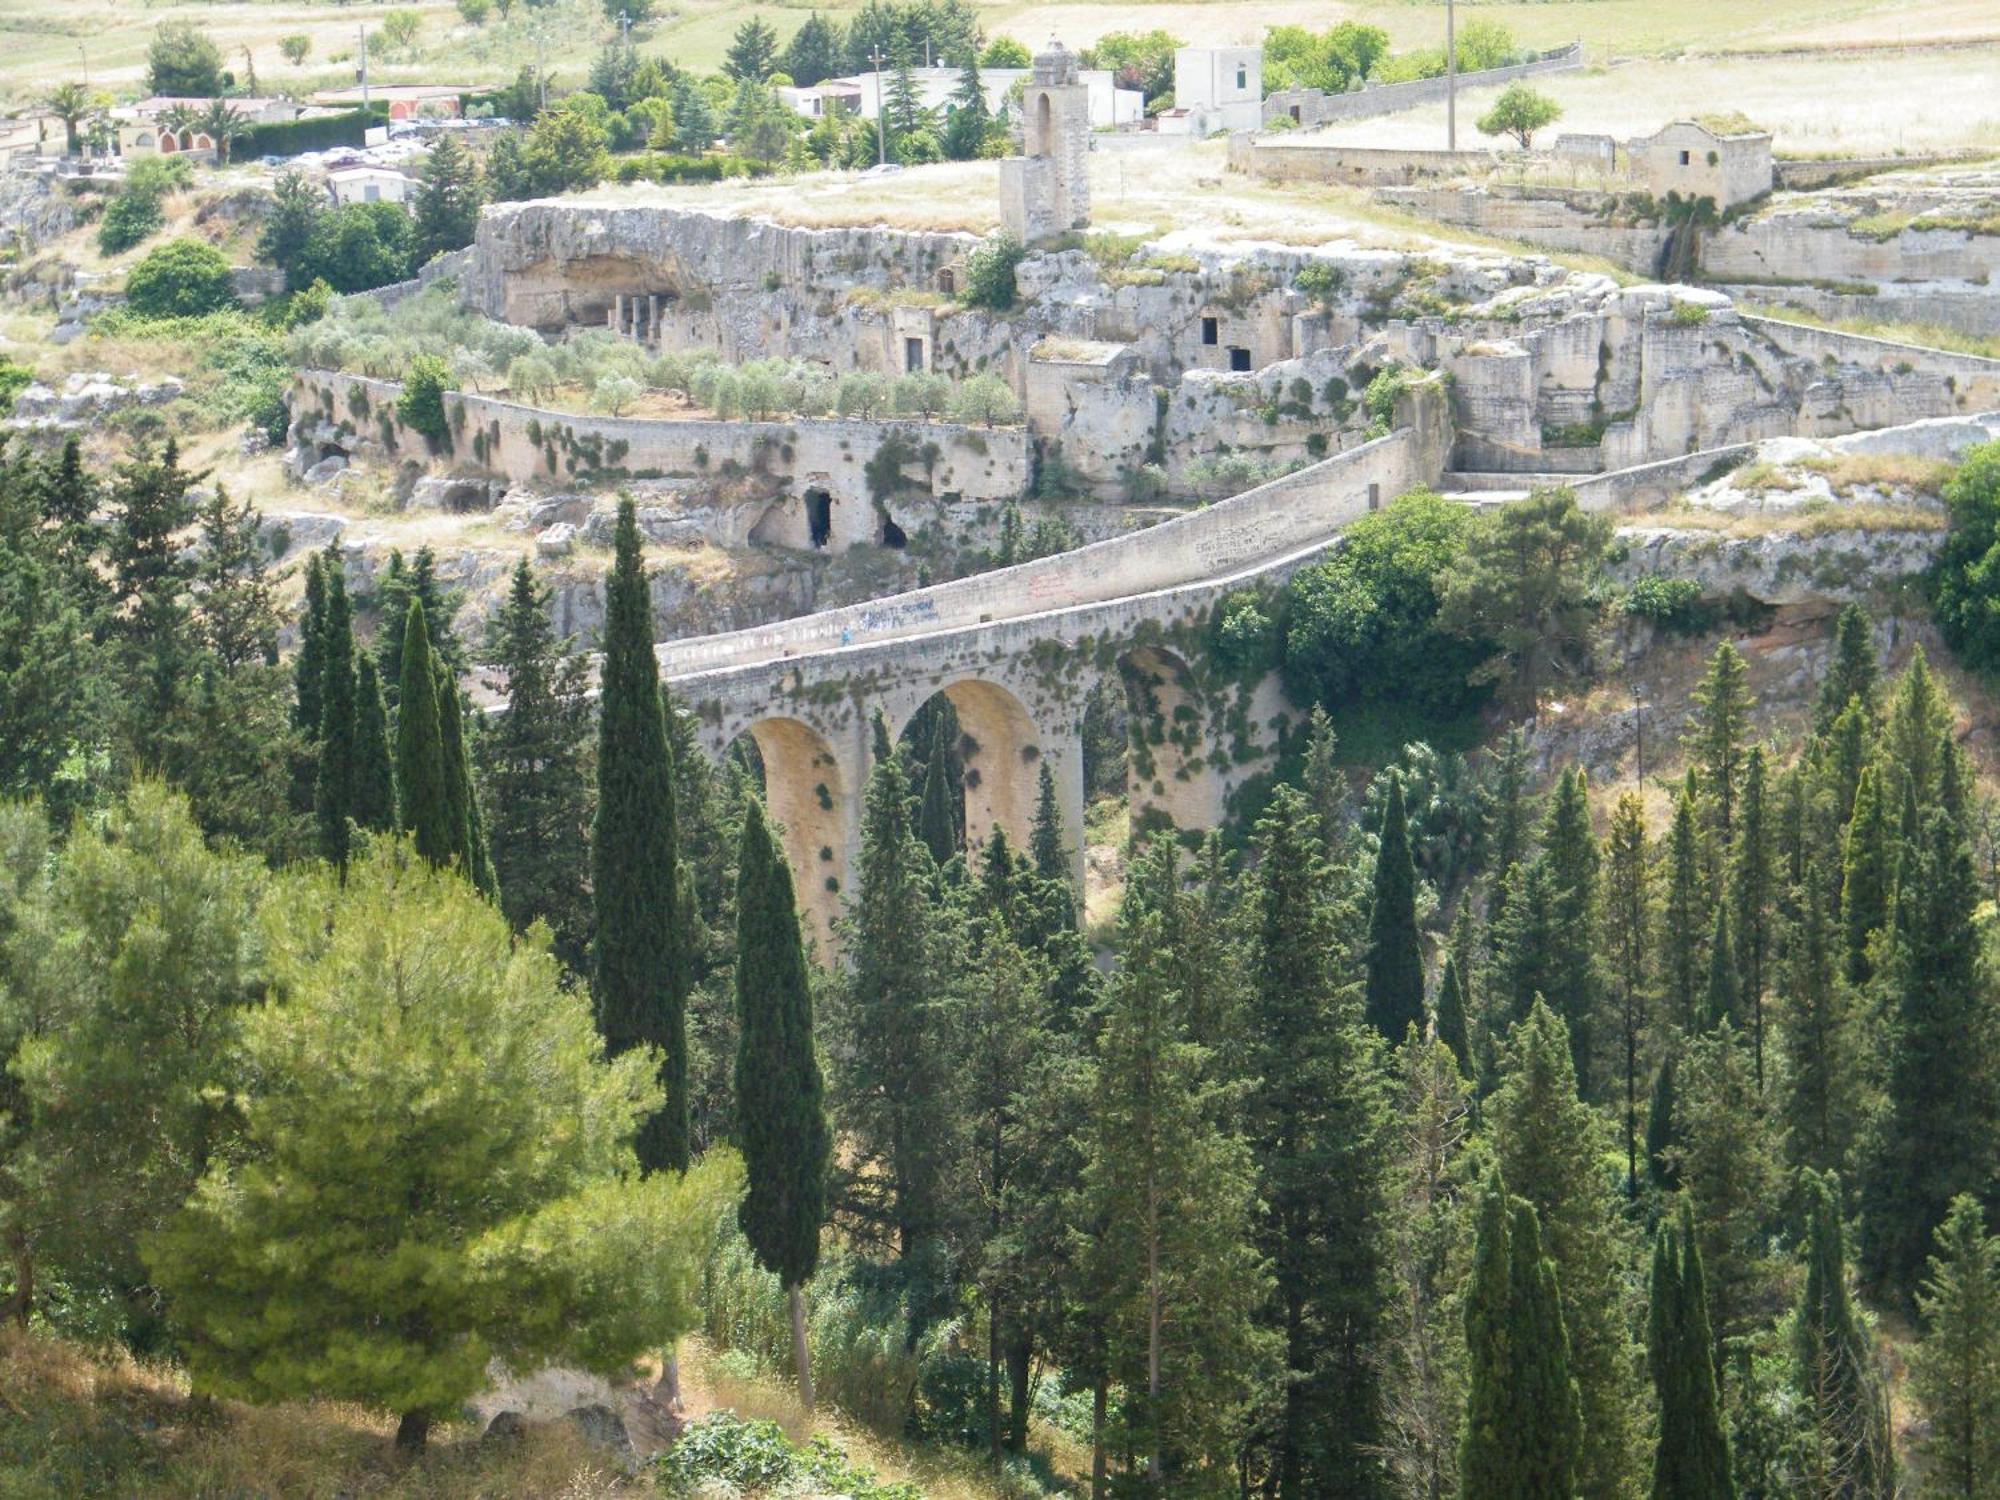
point(1673, 604)
point(1242, 639)
point(1380, 397)
point(1688, 315)
point(989, 273)
point(181, 279)
point(921, 394)
point(862, 394)
point(14, 379)
point(129, 219)
point(613, 393)
point(421, 408)
point(316, 133)
point(1321, 282)
point(1965, 584)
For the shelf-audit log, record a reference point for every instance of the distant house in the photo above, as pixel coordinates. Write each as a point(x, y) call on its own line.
point(370, 184)
point(144, 129)
point(861, 94)
point(1217, 90)
point(1726, 159)
point(406, 101)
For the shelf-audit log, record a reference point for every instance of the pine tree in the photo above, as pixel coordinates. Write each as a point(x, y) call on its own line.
point(309, 666)
point(1936, 1137)
point(1549, 1144)
point(1722, 999)
point(1751, 879)
point(1868, 878)
point(639, 968)
point(1853, 675)
point(966, 126)
point(1575, 977)
point(1451, 1011)
point(445, 212)
point(1715, 736)
point(752, 52)
point(1847, 1448)
point(1524, 1420)
point(374, 800)
point(1324, 786)
point(1725, 1158)
point(423, 799)
point(1394, 991)
point(333, 793)
point(238, 615)
point(1919, 721)
point(781, 1114)
point(1955, 1370)
point(1524, 945)
point(1844, 753)
point(532, 771)
point(902, 110)
point(1691, 1458)
point(1684, 915)
point(1315, 1118)
point(1627, 914)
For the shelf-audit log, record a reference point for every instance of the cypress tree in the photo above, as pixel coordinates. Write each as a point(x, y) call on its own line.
point(1627, 901)
point(1550, 1144)
point(1847, 1449)
point(1395, 971)
point(1683, 915)
point(1919, 721)
point(1868, 875)
point(1575, 973)
point(1512, 815)
point(424, 805)
point(1315, 1119)
point(374, 772)
point(780, 1105)
point(1325, 787)
point(1451, 1010)
point(1751, 877)
point(1524, 945)
point(1661, 1134)
point(462, 802)
point(1844, 755)
point(1936, 1137)
point(1723, 998)
point(1045, 841)
point(1715, 737)
point(638, 962)
point(333, 792)
point(309, 667)
point(1818, 1033)
point(1523, 1421)
point(937, 816)
point(1955, 1370)
point(1691, 1458)
point(1853, 675)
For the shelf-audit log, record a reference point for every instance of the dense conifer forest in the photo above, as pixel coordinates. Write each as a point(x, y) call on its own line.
point(1453, 1128)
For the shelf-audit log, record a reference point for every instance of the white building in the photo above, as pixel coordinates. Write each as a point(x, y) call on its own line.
point(370, 184)
point(1216, 89)
point(1110, 106)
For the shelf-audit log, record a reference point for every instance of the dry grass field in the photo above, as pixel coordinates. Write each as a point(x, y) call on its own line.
point(43, 42)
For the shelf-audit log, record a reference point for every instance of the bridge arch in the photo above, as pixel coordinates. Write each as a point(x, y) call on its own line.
point(812, 797)
point(1170, 769)
point(1000, 751)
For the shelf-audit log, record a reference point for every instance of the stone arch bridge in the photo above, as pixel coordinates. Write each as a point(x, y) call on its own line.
point(1019, 652)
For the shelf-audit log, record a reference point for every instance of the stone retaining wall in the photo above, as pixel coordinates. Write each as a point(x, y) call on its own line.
point(1316, 107)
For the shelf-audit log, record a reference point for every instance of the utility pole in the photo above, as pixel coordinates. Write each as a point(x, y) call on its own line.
point(881, 111)
point(362, 33)
point(541, 73)
point(625, 29)
point(1450, 78)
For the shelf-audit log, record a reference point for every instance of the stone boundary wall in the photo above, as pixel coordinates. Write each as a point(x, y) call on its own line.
point(1554, 218)
point(1975, 379)
point(1317, 107)
point(1645, 485)
point(1264, 524)
point(1276, 160)
point(1804, 176)
point(434, 270)
point(1965, 307)
point(527, 445)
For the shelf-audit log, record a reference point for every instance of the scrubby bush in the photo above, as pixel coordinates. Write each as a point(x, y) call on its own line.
point(421, 408)
point(921, 394)
point(1673, 604)
point(14, 379)
point(129, 219)
point(1965, 583)
point(181, 279)
point(1242, 637)
point(987, 400)
point(989, 273)
point(862, 394)
point(615, 393)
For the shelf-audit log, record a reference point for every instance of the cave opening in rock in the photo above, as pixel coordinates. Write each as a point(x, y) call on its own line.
point(892, 535)
point(819, 517)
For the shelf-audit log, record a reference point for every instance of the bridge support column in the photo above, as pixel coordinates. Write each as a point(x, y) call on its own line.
point(814, 792)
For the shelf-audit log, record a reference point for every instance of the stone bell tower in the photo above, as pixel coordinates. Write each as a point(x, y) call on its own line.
point(1046, 192)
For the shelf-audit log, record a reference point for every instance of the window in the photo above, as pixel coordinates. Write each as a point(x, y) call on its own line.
point(371, 193)
point(1242, 76)
point(913, 355)
point(1684, 158)
point(1239, 359)
point(819, 517)
point(1295, 115)
point(947, 281)
point(1211, 331)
